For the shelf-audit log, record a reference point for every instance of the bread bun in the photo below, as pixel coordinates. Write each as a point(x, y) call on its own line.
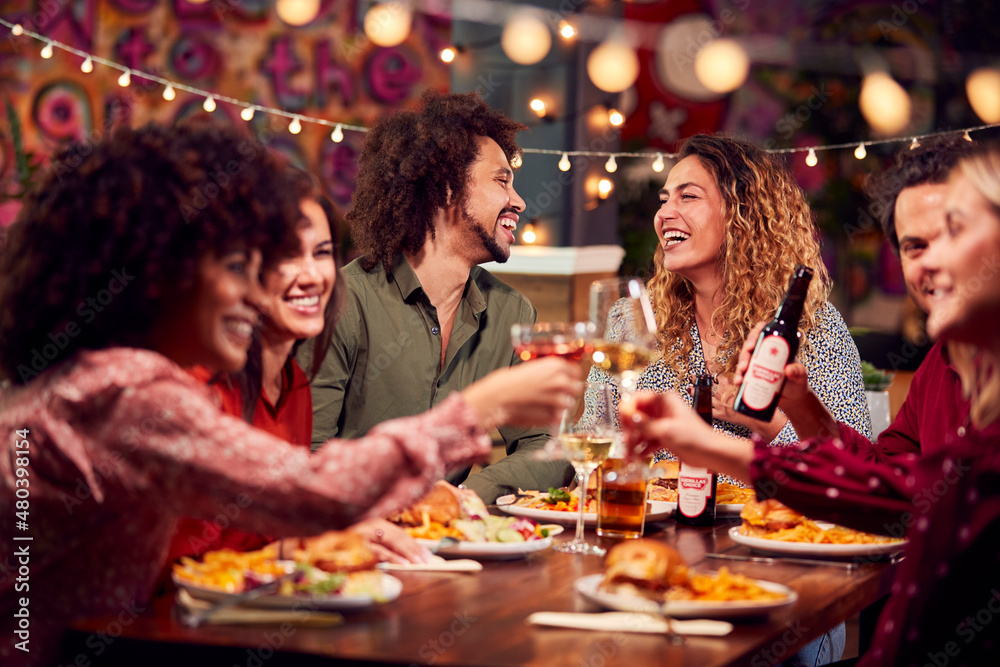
point(441, 504)
point(667, 469)
point(767, 516)
point(645, 567)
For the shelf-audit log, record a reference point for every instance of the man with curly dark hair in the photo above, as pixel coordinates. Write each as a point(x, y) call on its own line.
point(435, 198)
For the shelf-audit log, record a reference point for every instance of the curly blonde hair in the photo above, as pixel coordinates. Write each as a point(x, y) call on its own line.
point(769, 229)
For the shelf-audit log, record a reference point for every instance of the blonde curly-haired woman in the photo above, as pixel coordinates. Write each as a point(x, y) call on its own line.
point(731, 226)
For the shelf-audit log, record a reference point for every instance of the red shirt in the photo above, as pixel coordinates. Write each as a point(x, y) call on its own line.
point(290, 420)
point(947, 504)
point(933, 410)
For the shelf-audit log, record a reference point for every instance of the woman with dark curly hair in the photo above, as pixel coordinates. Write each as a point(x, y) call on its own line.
point(137, 256)
point(435, 197)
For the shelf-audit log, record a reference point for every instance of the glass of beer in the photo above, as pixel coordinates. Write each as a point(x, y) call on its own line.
point(621, 499)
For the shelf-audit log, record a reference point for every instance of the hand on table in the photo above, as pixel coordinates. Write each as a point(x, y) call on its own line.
point(391, 543)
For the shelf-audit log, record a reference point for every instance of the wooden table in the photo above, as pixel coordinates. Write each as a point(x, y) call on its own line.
point(462, 619)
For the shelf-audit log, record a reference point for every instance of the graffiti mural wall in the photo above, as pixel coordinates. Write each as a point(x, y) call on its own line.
point(327, 68)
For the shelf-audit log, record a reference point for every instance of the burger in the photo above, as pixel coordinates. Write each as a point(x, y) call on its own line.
point(333, 551)
point(664, 484)
point(643, 567)
point(761, 517)
point(443, 504)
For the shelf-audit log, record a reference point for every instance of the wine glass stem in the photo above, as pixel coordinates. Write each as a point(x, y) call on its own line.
point(582, 476)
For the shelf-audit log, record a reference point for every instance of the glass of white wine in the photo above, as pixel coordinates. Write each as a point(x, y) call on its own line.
point(586, 444)
point(622, 313)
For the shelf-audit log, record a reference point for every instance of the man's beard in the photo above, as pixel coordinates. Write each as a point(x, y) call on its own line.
point(490, 244)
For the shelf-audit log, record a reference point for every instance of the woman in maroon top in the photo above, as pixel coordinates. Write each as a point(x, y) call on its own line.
point(133, 258)
point(945, 601)
point(304, 297)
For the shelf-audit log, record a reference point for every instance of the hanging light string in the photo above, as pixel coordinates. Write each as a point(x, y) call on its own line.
point(18, 30)
point(296, 119)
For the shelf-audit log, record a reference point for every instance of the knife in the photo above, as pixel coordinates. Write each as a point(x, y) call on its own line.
point(792, 561)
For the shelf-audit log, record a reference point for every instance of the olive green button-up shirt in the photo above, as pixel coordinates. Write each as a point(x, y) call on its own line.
point(385, 357)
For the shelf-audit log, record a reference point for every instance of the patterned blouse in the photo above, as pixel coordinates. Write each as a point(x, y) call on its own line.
point(828, 352)
point(121, 442)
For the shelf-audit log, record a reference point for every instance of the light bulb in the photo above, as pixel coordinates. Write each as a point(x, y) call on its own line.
point(538, 106)
point(247, 114)
point(295, 126)
point(17, 30)
point(884, 103)
point(566, 30)
point(526, 38)
point(168, 93)
point(658, 163)
point(528, 235)
point(47, 51)
point(611, 166)
point(297, 12)
point(447, 54)
point(722, 65)
point(209, 104)
point(983, 90)
point(388, 24)
point(613, 66)
point(811, 159)
point(860, 151)
point(338, 134)
point(87, 66)
point(516, 161)
point(615, 117)
point(967, 136)
point(603, 188)
point(914, 144)
point(125, 79)
point(564, 164)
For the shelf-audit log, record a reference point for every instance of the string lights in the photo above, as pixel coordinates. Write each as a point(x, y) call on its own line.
point(248, 110)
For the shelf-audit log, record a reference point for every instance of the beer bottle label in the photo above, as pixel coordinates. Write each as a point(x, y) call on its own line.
point(694, 488)
point(766, 371)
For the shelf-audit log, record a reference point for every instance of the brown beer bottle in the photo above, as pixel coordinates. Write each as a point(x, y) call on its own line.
point(776, 347)
point(696, 487)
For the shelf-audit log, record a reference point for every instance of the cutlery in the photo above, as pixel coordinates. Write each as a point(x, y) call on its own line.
point(254, 616)
point(445, 543)
point(624, 621)
point(791, 561)
point(437, 565)
point(196, 617)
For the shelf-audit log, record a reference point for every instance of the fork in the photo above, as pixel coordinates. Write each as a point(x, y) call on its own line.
point(194, 619)
point(446, 543)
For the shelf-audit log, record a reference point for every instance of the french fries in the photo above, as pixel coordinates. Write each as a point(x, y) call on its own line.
point(432, 530)
point(723, 586)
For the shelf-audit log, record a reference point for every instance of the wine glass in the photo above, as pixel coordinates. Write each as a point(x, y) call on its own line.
point(586, 443)
point(622, 314)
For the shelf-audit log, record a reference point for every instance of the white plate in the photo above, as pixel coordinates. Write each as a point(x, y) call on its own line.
point(587, 587)
point(656, 510)
point(728, 510)
point(810, 549)
point(490, 550)
point(391, 588)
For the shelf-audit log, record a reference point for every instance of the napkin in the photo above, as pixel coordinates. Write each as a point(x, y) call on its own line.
point(624, 621)
point(437, 564)
point(237, 615)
